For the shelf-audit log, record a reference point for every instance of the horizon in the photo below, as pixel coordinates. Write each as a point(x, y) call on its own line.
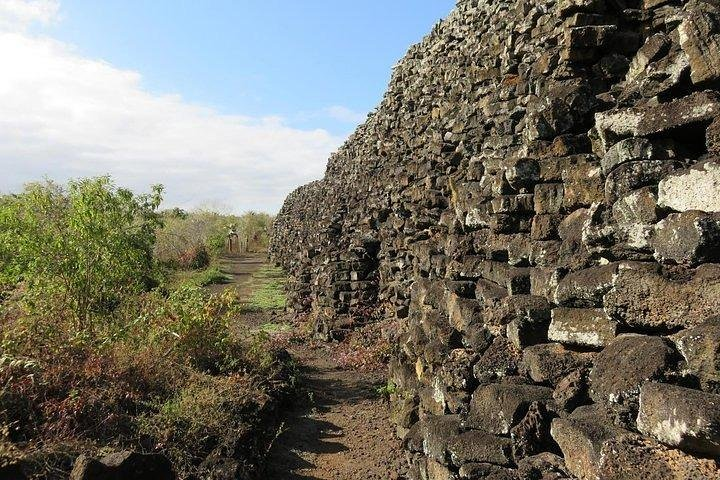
point(219, 104)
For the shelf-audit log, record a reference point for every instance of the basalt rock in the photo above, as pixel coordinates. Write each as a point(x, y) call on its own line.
point(534, 203)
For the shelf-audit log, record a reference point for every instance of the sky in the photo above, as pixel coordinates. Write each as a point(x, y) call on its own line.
point(230, 104)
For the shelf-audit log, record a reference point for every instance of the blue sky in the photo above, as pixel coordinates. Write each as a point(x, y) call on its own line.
point(229, 104)
point(292, 58)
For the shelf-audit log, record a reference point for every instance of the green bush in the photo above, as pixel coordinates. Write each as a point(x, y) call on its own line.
point(80, 249)
point(91, 357)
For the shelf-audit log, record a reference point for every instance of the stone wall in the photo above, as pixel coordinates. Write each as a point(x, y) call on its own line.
point(537, 201)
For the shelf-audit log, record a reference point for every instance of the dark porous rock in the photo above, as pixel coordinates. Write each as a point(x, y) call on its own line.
point(620, 370)
point(544, 281)
point(413, 438)
point(403, 413)
point(633, 150)
point(642, 298)
point(532, 435)
point(637, 207)
point(437, 471)
point(681, 417)
point(582, 185)
point(687, 238)
point(635, 214)
point(436, 432)
point(500, 360)
point(712, 138)
point(544, 466)
point(531, 308)
point(545, 227)
point(488, 292)
point(548, 363)
point(585, 327)
point(498, 408)
point(700, 39)
point(548, 198)
point(694, 109)
point(573, 254)
point(123, 466)
point(568, 7)
point(475, 446)
point(463, 312)
point(572, 390)
point(485, 471)
point(632, 457)
point(87, 468)
point(586, 288)
point(581, 442)
point(631, 176)
point(530, 316)
point(700, 347)
point(695, 188)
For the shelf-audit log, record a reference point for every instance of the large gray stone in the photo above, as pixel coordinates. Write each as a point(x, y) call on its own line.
point(642, 298)
point(694, 109)
point(697, 188)
point(548, 363)
point(700, 347)
point(687, 238)
point(585, 288)
point(681, 417)
point(123, 466)
point(632, 457)
point(585, 327)
point(699, 34)
point(581, 442)
point(636, 149)
point(475, 446)
point(498, 408)
point(624, 366)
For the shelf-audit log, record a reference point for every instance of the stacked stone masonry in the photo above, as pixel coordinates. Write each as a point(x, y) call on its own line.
point(536, 203)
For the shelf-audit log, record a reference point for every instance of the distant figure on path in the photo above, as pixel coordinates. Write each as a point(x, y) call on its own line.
point(233, 240)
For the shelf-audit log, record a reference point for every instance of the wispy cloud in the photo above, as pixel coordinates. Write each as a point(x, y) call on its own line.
point(18, 14)
point(63, 116)
point(344, 114)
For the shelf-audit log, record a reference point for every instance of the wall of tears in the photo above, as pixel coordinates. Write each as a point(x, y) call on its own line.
point(536, 201)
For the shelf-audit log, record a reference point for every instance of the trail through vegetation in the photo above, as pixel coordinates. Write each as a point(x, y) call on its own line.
point(339, 428)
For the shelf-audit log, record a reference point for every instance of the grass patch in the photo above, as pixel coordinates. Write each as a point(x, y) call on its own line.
point(199, 278)
point(268, 287)
point(211, 276)
point(271, 328)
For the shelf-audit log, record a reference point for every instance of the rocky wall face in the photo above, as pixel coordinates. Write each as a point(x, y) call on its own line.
point(537, 200)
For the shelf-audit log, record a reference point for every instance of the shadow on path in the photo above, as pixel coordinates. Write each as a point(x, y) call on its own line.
point(337, 429)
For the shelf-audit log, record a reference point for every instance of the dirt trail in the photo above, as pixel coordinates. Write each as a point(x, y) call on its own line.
point(240, 270)
point(339, 427)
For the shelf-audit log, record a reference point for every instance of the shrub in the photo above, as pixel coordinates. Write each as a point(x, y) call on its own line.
point(195, 258)
point(80, 249)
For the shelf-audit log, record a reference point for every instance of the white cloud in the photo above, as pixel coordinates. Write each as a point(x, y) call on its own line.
point(66, 116)
point(18, 14)
point(344, 114)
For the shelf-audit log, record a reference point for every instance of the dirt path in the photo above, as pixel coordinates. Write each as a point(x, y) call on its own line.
point(240, 270)
point(339, 427)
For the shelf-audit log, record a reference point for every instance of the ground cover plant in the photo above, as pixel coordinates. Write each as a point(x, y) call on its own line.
point(268, 285)
point(97, 354)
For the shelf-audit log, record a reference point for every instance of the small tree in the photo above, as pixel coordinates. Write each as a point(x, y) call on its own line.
point(89, 244)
